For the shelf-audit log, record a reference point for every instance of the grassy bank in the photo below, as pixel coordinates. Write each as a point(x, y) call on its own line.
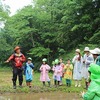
point(6, 84)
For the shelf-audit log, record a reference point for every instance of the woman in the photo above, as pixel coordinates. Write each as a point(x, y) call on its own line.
point(87, 60)
point(77, 61)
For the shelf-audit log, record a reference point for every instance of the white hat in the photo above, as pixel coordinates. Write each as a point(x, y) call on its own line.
point(95, 51)
point(78, 50)
point(86, 49)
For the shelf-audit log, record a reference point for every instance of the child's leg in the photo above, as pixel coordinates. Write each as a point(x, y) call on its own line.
point(58, 83)
point(55, 82)
point(66, 82)
point(43, 83)
point(61, 80)
point(49, 83)
point(27, 83)
point(69, 82)
point(76, 83)
point(30, 85)
point(79, 83)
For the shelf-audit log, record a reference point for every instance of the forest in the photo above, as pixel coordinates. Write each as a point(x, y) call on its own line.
point(50, 29)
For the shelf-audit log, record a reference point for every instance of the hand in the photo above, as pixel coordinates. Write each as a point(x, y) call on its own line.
point(82, 93)
point(7, 61)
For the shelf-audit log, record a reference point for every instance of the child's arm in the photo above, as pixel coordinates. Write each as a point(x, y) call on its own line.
point(41, 68)
point(32, 66)
point(71, 67)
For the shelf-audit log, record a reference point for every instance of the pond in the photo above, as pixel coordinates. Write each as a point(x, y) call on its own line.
point(41, 96)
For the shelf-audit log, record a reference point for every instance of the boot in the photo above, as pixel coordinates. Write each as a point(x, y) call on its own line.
point(14, 84)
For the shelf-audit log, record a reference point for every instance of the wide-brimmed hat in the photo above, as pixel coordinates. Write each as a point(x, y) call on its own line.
point(78, 50)
point(95, 51)
point(86, 49)
point(30, 58)
point(16, 48)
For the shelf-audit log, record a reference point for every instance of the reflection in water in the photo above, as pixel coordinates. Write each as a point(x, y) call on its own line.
point(41, 96)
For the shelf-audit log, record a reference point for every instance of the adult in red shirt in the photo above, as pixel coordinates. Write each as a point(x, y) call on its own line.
point(17, 64)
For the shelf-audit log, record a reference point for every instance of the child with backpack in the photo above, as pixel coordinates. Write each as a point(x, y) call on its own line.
point(29, 72)
point(45, 68)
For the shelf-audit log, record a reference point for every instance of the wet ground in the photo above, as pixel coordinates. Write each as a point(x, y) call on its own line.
point(41, 96)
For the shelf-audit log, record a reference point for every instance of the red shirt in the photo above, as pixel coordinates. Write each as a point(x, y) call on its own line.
point(18, 59)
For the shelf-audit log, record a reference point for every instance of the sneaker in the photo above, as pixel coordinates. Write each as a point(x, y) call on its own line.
point(79, 85)
point(14, 87)
point(76, 85)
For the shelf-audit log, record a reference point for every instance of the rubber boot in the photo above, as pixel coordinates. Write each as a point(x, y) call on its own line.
point(14, 84)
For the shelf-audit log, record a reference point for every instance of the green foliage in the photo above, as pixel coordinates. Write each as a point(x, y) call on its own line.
point(52, 28)
point(39, 52)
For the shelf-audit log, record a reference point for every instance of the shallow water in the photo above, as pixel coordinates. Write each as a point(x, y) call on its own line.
point(41, 96)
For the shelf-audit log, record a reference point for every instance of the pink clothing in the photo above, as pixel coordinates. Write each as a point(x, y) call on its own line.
point(57, 72)
point(44, 77)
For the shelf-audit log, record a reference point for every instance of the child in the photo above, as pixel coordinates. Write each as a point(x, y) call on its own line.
point(68, 72)
point(62, 73)
point(44, 77)
point(57, 72)
point(28, 72)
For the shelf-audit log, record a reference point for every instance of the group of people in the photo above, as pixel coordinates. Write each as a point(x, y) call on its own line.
point(76, 69)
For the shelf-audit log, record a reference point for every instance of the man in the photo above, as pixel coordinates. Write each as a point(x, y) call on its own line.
point(17, 62)
point(87, 60)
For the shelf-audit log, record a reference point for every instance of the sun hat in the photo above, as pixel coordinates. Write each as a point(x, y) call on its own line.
point(16, 48)
point(95, 51)
point(44, 60)
point(30, 58)
point(86, 49)
point(78, 50)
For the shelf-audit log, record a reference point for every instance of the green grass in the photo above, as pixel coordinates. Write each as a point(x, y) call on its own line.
point(6, 84)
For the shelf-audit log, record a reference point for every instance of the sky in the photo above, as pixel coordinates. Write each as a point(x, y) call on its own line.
point(16, 4)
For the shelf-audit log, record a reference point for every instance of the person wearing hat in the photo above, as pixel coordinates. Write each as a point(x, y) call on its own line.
point(17, 62)
point(29, 72)
point(96, 55)
point(45, 68)
point(57, 69)
point(87, 60)
point(77, 61)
